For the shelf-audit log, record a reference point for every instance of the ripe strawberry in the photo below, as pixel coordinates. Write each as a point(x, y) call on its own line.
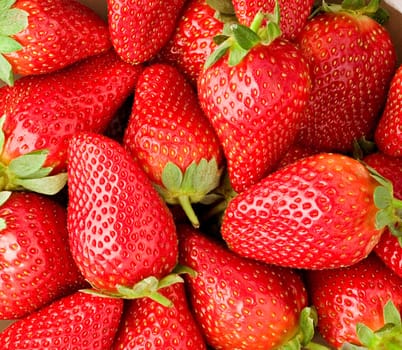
point(42, 112)
point(294, 14)
point(389, 248)
point(171, 138)
point(146, 324)
point(44, 36)
point(294, 153)
point(79, 321)
point(139, 29)
point(121, 232)
point(192, 41)
point(352, 59)
point(241, 303)
point(388, 135)
point(353, 295)
point(254, 98)
point(318, 212)
point(35, 262)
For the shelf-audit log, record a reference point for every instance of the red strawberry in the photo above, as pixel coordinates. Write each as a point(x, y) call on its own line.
point(294, 14)
point(139, 29)
point(254, 98)
point(42, 112)
point(121, 232)
point(353, 295)
point(318, 212)
point(46, 35)
point(294, 153)
point(241, 303)
point(172, 139)
point(192, 41)
point(35, 262)
point(389, 248)
point(352, 59)
point(79, 321)
point(147, 324)
point(388, 134)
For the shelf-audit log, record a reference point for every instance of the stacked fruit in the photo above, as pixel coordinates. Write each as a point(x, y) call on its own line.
point(200, 174)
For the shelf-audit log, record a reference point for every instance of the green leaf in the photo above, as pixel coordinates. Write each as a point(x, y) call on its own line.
point(382, 197)
point(49, 185)
point(8, 45)
point(383, 218)
point(13, 21)
point(172, 177)
point(391, 313)
point(4, 196)
point(6, 4)
point(6, 72)
point(218, 53)
point(27, 164)
point(366, 335)
point(245, 37)
point(236, 55)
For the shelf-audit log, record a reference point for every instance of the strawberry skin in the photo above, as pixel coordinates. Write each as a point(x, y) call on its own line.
point(294, 13)
point(356, 294)
point(78, 321)
point(240, 303)
point(146, 324)
point(389, 248)
point(192, 41)
point(388, 134)
point(167, 129)
point(315, 213)
point(59, 33)
point(139, 29)
point(352, 59)
point(42, 112)
point(35, 262)
point(120, 229)
point(256, 107)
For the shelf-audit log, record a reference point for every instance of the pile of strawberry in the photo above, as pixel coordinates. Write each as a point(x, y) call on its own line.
point(200, 175)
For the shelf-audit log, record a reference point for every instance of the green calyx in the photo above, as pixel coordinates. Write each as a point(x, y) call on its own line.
point(149, 287)
point(27, 172)
point(389, 212)
point(304, 337)
point(192, 186)
point(388, 337)
point(238, 39)
point(356, 7)
point(12, 21)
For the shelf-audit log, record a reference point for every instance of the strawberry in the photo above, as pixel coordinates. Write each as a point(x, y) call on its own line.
point(388, 135)
point(323, 211)
point(253, 91)
point(35, 262)
point(352, 59)
point(146, 324)
point(171, 138)
point(294, 14)
point(389, 248)
point(241, 303)
point(192, 41)
point(347, 297)
point(79, 321)
point(44, 36)
point(139, 29)
point(294, 153)
point(122, 235)
point(42, 112)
